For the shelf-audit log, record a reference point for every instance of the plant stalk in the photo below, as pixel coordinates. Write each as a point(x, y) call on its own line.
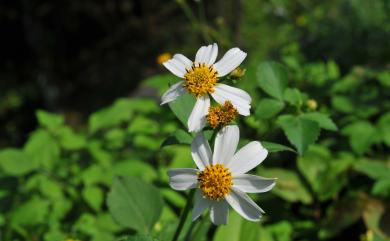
point(184, 215)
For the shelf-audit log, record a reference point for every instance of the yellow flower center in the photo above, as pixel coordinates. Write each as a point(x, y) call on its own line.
point(200, 79)
point(221, 115)
point(215, 181)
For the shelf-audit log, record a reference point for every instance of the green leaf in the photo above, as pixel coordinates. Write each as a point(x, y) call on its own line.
point(272, 78)
point(43, 149)
point(300, 132)
point(322, 120)
point(293, 96)
point(120, 111)
point(288, 185)
point(31, 212)
point(384, 127)
point(69, 140)
point(237, 229)
point(94, 196)
point(343, 104)
point(182, 107)
point(178, 137)
point(143, 125)
point(373, 169)
point(134, 168)
point(139, 238)
point(15, 162)
point(49, 120)
point(268, 108)
point(321, 170)
point(382, 188)
point(362, 134)
point(160, 82)
point(275, 147)
point(135, 204)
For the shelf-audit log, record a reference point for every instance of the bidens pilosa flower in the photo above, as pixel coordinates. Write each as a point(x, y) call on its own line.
point(200, 78)
point(220, 178)
point(221, 115)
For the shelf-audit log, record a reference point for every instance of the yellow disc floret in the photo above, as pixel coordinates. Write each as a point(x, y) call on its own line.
point(215, 182)
point(221, 115)
point(200, 79)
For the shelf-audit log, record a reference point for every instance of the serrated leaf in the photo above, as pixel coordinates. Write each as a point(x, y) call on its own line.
point(268, 108)
point(272, 78)
point(300, 132)
point(182, 107)
point(275, 147)
point(179, 137)
point(322, 120)
point(135, 204)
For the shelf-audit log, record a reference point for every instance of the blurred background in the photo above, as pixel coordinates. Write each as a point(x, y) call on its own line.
point(76, 58)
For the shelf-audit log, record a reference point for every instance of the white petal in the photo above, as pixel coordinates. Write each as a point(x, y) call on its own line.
point(176, 66)
point(219, 212)
point(202, 54)
point(197, 119)
point(240, 99)
point(244, 205)
point(226, 144)
point(207, 54)
point(253, 184)
point(247, 158)
point(200, 205)
point(201, 152)
point(213, 54)
point(183, 178)
point(173, 92)
point(231, 60)
point(184, 60)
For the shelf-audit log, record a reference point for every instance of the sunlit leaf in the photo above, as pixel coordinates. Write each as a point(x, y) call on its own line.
point(182, 107)
point(135, 204)
point(322, 120)
point(300, 132)
point(268, 108)
point(49, 120)
point(272, 78)
point(15, 162)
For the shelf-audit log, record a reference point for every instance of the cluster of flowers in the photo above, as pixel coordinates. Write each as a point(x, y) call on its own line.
point(220, 178)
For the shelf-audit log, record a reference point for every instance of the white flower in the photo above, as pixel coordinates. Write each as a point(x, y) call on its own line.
point(220, 177)
point(200, 78)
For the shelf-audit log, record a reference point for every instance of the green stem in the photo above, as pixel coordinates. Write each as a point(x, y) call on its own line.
point(183, 216)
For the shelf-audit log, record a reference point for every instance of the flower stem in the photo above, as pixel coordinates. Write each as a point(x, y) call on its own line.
point(183, 216)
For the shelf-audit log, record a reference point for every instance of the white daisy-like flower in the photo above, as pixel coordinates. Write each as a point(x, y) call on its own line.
point(200, 78)
point(220, 178)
